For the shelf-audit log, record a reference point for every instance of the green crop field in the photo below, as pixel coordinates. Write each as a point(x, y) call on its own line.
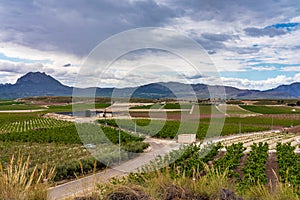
point(70, 147)
point(170, 129)
point(233, 109)
point(9, 102)
point(77, 107)
point(51, 153)
point(30, 124)
point(19, 106)
point(177, 106)
point(207, 110)
point(271, 109)
point(57, 143)
point(259, 120)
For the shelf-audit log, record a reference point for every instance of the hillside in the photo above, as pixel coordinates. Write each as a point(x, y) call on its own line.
point(41, 84)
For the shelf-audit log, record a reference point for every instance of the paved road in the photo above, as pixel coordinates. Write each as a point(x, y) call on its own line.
point(86, 184)
point(158, 146)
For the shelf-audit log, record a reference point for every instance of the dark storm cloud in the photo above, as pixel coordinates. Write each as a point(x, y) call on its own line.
point(67, 65)
point(214, 42)
point(236, 10)
point(75, 26)
point(216, 37)
point(257, 32)
point(196, 76)
point(247, 50)
point(273, 30)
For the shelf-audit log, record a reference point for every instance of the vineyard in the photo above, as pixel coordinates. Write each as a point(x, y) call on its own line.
point(233, 109)
point(169, 129)
point(15, 105)
point(77, 107)
point(271, 138)
point(244, 157)
point(8, 126)
point(58, 143)
point(208, 173)
point(271, 109)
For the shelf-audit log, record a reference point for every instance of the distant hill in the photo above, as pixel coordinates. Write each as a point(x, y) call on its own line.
point(34, 84)
point(41, 84)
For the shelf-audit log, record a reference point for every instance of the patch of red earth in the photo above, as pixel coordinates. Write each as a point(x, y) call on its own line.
point(282, 116)
point(272, 174)
point(295, 129)
point(220, 155)
point(242, 164)
point(272, 170)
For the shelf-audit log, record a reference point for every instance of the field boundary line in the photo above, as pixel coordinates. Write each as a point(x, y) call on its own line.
point(221, 111)
point(192, 109)
point(250, 112)
point(21, 111)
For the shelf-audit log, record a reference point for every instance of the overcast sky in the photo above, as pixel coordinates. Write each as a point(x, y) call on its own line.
point(252, 44)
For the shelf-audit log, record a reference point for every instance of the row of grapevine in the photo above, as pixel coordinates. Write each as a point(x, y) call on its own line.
point(65, 134)
point(231, 160)
point(89, 133)
point(289, 163)
point(187, 161)
point(255, 166)
point(30, 124)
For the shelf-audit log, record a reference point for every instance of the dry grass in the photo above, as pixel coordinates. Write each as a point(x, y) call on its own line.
point(18, 181)
point(281, 191)
point(162, 187)
point(213, 185)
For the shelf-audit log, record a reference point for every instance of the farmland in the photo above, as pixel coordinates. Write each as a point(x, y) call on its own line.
point(233, 109)
point(169, 129)
point(271, 109)
point(15, 105)
point(197, 173)
point(78, 149)
point(57, 142)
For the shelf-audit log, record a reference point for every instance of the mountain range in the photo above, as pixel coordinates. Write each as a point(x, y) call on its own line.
point(41, 84)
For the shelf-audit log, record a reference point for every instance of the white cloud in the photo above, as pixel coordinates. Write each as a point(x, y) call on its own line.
point(291, 69)
point(263, 68)
point(65, 31)
point(261, 84)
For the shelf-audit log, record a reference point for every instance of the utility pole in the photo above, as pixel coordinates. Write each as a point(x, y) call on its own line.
point(105, 117)
point(31, 107)
point(134, 126)
point(119, 145)
point(272, 122)
point(240, 128)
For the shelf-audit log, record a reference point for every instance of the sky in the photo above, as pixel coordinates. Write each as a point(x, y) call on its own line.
point(250, 44)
